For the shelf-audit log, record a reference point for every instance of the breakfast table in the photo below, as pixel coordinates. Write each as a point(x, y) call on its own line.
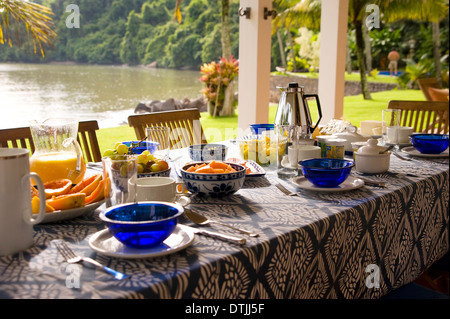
point(356, 244)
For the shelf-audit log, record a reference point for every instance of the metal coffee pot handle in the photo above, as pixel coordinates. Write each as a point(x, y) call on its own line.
point(304, 97)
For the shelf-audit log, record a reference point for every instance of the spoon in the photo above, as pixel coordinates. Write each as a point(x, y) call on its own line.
point(387, 149)
point(202, 220)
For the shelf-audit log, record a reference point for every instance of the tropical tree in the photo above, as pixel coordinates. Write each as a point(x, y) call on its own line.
point(36, 18)
point(306, 12)
point(432, 11)
point(226, 37)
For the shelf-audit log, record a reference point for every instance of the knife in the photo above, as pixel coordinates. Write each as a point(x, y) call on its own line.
point(233, 239)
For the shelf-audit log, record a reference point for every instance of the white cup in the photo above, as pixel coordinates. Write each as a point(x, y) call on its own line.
point(16, 219)
point(301, 152)
point(162, 189)
point(403, 134)
point(308, 151)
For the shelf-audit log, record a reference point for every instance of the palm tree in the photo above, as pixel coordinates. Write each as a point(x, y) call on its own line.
point(432, 11)
point(393, 10)
point(294, 14)
point(36, 19)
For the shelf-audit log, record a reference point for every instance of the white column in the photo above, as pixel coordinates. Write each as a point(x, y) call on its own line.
point(333, 39)
point(254, 64)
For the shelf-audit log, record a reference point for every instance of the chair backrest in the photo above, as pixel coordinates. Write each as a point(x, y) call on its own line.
point(425, 84)
point(19, 137)
point(423, 116)
point(87, 137)
point(185, 126)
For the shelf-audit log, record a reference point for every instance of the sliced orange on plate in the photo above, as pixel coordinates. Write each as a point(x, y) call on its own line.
point(67, 201)
point(57, 187)
point(84, 183)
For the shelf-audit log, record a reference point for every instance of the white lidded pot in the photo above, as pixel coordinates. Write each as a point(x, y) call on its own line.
point(370, 160)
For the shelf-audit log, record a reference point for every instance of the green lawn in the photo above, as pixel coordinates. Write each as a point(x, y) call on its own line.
point(356, 109)
point(354, 76)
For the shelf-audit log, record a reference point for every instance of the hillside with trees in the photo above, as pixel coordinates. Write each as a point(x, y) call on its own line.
point(134, 32)
point(143, 32)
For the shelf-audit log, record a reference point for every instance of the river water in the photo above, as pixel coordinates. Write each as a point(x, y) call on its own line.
point(108, 94)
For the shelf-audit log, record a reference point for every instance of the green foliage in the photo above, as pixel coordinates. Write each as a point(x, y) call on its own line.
point(136, 32)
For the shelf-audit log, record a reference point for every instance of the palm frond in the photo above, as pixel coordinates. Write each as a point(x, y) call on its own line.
point(36, 19)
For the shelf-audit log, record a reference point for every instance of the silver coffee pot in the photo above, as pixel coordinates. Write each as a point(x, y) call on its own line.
point(293, 110)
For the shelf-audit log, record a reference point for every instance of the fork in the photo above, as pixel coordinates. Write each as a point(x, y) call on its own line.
point(72, 258)
point(285, 190)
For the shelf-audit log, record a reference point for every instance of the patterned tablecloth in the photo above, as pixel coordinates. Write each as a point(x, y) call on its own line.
point(357, 244)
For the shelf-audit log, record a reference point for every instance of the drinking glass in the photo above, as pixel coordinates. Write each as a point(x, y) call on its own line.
point(159, 138)
point(390, 125)
point(118, 171)
point(287, 137)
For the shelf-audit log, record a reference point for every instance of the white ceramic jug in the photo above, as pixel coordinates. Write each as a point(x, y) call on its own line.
point(16, 219)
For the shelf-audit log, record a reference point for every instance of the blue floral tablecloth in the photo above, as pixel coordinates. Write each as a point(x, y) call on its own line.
point(357, 244)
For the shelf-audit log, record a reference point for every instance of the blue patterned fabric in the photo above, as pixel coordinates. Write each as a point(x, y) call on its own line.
point(316, 245)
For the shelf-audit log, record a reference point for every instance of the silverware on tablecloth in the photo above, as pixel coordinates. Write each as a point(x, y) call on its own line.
point(208, 233)
point(400, 156)
point(202, 220)
point(72, 258)
point(285, 190)
point(369, 182)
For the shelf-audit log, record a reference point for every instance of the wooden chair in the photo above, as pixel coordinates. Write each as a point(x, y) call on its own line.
point(87, 138)
point(185, 126)
point(425, 84)
point(423, 116)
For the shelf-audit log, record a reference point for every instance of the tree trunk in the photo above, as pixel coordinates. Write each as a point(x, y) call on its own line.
point(361, 60)
point(436, 52)
point(280, 44)
point(367, 49)
point(348, 62)
point(226, 41)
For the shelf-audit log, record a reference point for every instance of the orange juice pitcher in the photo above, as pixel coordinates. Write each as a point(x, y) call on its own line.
point(57, 153)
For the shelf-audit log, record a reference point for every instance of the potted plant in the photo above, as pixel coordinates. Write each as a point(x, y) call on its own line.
point(218, 79)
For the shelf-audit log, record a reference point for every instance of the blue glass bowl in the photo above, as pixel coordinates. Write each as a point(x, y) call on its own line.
point(143, 224)
point(208, 152)
point(430, 143)
point(139, 147)
point(260, 128)
point(326, 172)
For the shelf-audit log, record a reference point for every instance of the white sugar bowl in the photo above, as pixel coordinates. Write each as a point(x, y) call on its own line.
point(370, 160)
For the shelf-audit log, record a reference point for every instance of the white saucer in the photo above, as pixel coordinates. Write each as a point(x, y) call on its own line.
point(288, 165)
point(413, 152)
point(104, 243)
point(349, 184)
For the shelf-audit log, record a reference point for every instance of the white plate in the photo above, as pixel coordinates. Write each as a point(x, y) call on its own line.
point(413, 152)
point(349, 184)
point(58, 215)
point(104, 243)
point(256, 169)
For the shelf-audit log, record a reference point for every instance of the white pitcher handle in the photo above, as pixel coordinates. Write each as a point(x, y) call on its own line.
point(42, 207)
